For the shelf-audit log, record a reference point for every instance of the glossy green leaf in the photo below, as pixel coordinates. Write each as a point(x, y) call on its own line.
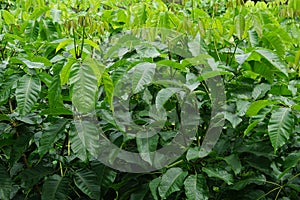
point(171, 181)
point(196, 187)
point(280, 127)
point(27, 93)
point(153, 185)
point(55, 187)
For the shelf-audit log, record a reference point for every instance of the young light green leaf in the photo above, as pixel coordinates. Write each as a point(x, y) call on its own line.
point(219, 173)
point(240, 25)
point(55, 187)
point(196, 187)
point(65, 71)
point(256, 106)
point(171, 181)
point(142, 75)
point(64, 43)
point(27, 93)
point(8, 17)
point(280, 127)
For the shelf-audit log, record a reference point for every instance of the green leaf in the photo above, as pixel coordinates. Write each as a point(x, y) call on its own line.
point(291, 160)
point(142, 75)
point(27, 93)
point(251, 126)
point(63, 43)
point(280, 127)
point(109, 88)
point(274, 60)
point(240, 25)
point(235, 163)
point(91, 43)
point(153, 185)
point(171, 63)
point(196, 187)
point(84, 138)
point(219, 173)
point(171, 181)
point(256, 106)
point(97, 67)
point(233, 119)
point(5, 184)
point(32, 176)
point(8, 17)
point(65, 71)
point(86, 181)
point(55, 187)
point(163, 96)
point(84, 89)
point(147, 143)
point(32, 65)
point(258, 179)
point(105, 175)
point(211, 74)
point(51, 135)
point(260, 90)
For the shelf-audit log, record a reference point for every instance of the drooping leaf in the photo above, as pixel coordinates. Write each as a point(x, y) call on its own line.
point(275, 61)
point(86, 181)
point(84, 89)
point(171, 181)
point(219, 174)
point(280, 127)
point(196, 187)
point(142, 75)
point(55, 187)
point(27, 93)
point(235, 163)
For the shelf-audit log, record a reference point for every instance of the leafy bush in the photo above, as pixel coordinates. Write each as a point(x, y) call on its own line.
point(63, 59)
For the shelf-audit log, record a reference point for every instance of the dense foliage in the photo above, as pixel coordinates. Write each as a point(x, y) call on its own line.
point(60, 56)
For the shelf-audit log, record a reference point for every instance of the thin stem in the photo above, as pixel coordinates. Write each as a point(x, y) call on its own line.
point(235, 48)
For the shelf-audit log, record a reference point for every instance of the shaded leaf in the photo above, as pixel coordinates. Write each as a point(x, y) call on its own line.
point(196, 187)
point(55, 187)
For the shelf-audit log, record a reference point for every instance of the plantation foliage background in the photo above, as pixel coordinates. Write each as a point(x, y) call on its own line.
point(56, 55)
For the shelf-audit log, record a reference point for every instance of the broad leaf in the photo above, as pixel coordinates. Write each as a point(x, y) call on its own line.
point(256, 106)
point(5, 184)
point(163, 96)
point(255, 179)
point(84, 137)
point(171, 181)
point(240, 25)
point(274, 60)
point(219, 173)
point(105, 175)
point(84, 83)
point(55, 187)
point(86, 181)
point(280, 127)
point(147, 143)
point(142, 75)
point(51, 135)
point(196, 187)
point(153, 185)
point(27, 93)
